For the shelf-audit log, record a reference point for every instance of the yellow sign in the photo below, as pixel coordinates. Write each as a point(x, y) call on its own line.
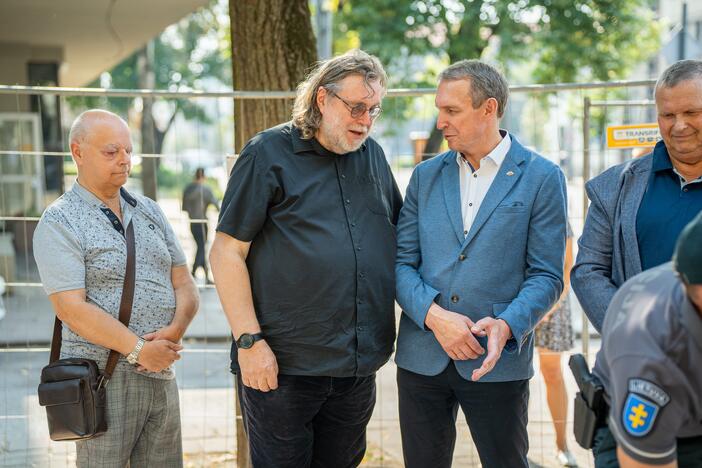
point(633, 136)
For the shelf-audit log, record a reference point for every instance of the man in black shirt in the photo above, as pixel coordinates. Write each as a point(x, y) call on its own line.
point(303, 261)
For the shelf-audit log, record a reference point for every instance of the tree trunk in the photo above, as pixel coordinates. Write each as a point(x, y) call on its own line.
point(273, 46)
point(147, 80)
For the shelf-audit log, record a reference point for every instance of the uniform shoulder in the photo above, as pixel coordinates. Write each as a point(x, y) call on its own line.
point(646, 305)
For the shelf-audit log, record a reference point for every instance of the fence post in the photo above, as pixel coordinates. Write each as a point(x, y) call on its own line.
point(585, 330)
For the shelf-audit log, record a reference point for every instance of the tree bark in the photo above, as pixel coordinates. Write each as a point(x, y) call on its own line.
point(273, 46)
point(147, 80)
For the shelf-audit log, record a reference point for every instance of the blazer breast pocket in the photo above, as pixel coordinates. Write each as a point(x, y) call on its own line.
point(513, 207)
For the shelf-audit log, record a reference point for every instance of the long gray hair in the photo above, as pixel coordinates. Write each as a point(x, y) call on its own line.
point(327, 74)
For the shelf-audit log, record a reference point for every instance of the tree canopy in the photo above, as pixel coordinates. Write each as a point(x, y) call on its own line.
point(567, 40)
point(535, 41)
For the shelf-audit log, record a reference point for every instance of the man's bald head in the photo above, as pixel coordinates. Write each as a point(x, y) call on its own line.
point(83, 123)
point(102, 150)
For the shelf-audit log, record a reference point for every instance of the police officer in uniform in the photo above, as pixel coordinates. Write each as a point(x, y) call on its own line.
point(650, 364)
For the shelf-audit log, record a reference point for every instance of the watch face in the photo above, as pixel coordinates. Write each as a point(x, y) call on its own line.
point(245, 341)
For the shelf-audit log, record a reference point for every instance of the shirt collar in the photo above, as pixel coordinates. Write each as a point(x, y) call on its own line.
point(661, 159)
point(498, 153)
point(93, 200)
point(661, 162)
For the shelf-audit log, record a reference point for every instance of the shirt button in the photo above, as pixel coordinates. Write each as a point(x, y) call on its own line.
point(470, 204)
point(462, 257)
point(454, 298)
point(353, 224)
point(465, 233)
point(475, 175)
point(348, 201)
point(361, 275)
point(359, 302)
point(343, 176)
point(359, 328)
point(685, 189)
point(358, 248)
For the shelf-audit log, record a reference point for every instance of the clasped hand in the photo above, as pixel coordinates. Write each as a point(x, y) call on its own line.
point(456, 334)
point(160, 350)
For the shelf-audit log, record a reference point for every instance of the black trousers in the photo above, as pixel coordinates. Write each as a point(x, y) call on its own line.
point(199, 231)
point(308, 421)
point(496, 413)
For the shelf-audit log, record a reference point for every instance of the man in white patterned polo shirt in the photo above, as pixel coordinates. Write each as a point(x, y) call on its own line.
point(81, 252)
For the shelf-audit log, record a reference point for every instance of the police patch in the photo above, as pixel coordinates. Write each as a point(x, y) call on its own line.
point(650, 390)
point(638, 415)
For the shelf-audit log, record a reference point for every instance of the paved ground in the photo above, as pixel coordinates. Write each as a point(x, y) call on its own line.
point(207, 410)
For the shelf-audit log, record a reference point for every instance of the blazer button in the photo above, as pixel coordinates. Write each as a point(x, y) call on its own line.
point(454, 299)
point(462, 257)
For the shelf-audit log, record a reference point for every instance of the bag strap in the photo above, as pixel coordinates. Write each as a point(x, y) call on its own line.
point(125, 307)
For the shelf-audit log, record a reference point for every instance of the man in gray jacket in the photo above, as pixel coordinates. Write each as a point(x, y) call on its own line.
point(639, 208)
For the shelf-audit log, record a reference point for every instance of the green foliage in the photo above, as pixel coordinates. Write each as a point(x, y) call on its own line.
point(184, 56)
point(170, 180)
point(594, 39)
point(567, 40)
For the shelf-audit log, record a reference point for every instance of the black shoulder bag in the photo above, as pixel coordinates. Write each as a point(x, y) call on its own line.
point(73, 389)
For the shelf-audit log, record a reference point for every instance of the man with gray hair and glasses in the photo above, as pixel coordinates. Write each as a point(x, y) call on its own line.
point(480, 248)
point(303, 261)
point(638, 208)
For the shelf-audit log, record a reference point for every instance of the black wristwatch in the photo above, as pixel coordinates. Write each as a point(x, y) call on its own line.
point(247, 340)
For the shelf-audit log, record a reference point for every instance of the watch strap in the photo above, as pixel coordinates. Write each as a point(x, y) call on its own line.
point(255, 336)
point(133, 357)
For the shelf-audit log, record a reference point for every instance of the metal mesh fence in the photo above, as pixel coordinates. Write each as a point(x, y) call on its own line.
point(548, 119)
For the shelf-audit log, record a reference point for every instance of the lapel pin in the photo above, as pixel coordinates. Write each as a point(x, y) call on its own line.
point(510, 173)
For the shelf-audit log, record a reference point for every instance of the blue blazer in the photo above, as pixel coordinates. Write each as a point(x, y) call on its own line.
point(513, 264)
point(608, 252)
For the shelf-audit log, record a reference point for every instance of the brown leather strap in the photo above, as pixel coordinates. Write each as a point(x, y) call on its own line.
point(56, 341)
point(125, 307)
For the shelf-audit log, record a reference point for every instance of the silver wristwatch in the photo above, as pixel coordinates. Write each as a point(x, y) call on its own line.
point(133, 357)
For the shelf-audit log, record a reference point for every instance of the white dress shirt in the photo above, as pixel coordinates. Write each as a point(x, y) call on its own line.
point(476, 183)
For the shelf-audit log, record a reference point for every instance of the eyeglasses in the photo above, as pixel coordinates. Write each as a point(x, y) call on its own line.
point(357, 110)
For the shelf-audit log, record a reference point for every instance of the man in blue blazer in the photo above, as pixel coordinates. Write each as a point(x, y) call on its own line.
point(638, 208)
point(481, 241)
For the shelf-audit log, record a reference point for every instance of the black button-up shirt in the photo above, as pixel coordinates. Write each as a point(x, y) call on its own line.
point(322, 255)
